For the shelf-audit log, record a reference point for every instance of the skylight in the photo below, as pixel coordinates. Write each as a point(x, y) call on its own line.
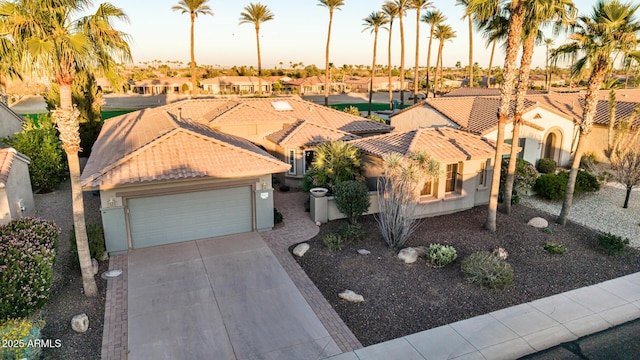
point(281, 106)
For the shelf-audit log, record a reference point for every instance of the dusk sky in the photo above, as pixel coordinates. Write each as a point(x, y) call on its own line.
point(298, 34)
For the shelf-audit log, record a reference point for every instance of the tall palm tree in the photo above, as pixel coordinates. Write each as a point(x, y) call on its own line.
point(468, 14)
point(193, 8)
point(418, 5)
point(494, 30)
point(50, 40)
point(403, 5)
point(539, 13)
point(374, 22)
point(443, 33)
point(598, 37)
point(331, 5)
point(256, 14)
point(391, 9)
point(433, 18)
point(548, 42)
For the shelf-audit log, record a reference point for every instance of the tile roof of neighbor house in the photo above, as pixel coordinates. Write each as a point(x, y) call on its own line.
point(235, 80)
point(466, 91)
point(311, 80)
point(164, 81)
point(306, 133)
point(7, 157)
point(443, 144)
point(150, 145)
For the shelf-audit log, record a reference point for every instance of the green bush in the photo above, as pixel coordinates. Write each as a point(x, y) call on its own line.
point(352, 232)
point(440, 256)
point(333, 242)
point(585, 182)
point(525, 178)
point(95, 235)
point(612, 244)
point(39, 141)
point(15, 335)
point(352, 199)
point(551, 186)
point(277, 216)
point(554, 248)
point(352, 110)
point(485, 269)
point(27, 254)
point(333, 163)
point(547, 166)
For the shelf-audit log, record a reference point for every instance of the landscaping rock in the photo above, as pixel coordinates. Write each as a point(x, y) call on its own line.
point(318, 223)
point(500, 253)
point(408, 255)
point(80, 323)
point(351, 296)
point(421, 250)
point(363, 252)
point(301, 249)
point(538, 222)
point(94, 266)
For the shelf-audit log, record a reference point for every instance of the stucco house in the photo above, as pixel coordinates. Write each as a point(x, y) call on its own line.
point(161, 86)
point(16, 197)
point(235, 85)
point(10, 122)
point(380, 83)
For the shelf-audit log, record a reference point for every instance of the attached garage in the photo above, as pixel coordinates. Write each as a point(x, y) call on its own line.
point(166, 219)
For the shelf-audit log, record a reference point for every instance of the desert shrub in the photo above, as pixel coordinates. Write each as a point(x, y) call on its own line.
point(39, 141)
point(588, 161)
point(585, 182)
point(352, 232)
point(27, 253)
point(333, 163)
point(277, 216)
point(333, 242)
point(441, 255)
point(485, 269)
point(554, 248)
point(95, 236)
point(547, 230)
point(15, 335)
point(604, 177)
point(376, 119)
point(612, 244)
point(525, 178)
point(352, 199)
point(547, 166)
point(352, 110)
point(551, 186)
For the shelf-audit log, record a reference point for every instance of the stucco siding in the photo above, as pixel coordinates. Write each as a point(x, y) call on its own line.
point(17, 188)
point(10, 122)
point(419, 118)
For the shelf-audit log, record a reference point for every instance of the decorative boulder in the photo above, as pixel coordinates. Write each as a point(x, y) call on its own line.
point(408, 255)
point(80, 323)
point(500, 253)
point(421, 250)
point(94, 266)
point(538, 222)
point(318, 223)
point(363, 252)
point(301, 249)
point(351, 296)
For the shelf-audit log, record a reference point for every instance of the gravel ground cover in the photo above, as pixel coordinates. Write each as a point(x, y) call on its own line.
point(401, 299)
point(67, 299)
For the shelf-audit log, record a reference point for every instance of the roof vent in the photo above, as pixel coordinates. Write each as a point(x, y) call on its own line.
point(281, 106)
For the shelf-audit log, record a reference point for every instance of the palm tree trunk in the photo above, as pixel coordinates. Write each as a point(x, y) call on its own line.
point(400, 15)
point(493, 51)
point(547, 79)
point(389, 61)
point(429, 58)
point(470, 52)
point(326, 61)
point(71, 143)
point(259, 61)
point(194, 78)
point(435, 78)
point(373, 70)
point(417, 70)
point(612, 123)
point(509, 74)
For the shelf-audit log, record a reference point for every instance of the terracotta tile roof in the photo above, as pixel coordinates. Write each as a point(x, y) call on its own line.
point(444, 144)
point(7, 157)
point(311, 80)
point(465, 91)
point(235, 80)
point(136, 150)
point(306, 133)
point(164, 81)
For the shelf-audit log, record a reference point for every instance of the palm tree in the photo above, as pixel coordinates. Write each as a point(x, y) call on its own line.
point(403, 5)
point(468, 14)
point(494, 29)
point(538, 14)
point(391, 9)
point(418, 5)
point(193, 8)
point(433, 18)
point(51, 41)
point(374, 22)
point(256, 14)
point(599, 37)
point(331, 5)
point(443, 33)
point(547, 43)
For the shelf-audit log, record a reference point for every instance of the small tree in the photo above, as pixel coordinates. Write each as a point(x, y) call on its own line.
point(398, 192)
point(352, 199)
point(335, 162)
point(627, 167)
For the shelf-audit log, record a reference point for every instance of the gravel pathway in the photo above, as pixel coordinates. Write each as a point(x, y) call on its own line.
point(601, 211)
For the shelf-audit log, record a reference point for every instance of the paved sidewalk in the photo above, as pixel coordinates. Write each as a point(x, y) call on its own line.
point(519, 330)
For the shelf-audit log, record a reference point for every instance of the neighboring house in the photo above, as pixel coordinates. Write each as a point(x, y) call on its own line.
point(380, 83)
point(16, 197)
point(10, 122)
point(238, 85)
point(163, 86)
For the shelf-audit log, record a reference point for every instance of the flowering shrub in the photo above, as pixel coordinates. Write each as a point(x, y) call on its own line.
point(27, 253)
point(525, 178)
point(441, 255)
point(16, 334)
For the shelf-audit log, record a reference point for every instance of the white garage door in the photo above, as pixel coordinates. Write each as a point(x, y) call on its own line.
point(166, 219)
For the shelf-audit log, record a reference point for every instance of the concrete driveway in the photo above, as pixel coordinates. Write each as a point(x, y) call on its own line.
point(221, 298)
